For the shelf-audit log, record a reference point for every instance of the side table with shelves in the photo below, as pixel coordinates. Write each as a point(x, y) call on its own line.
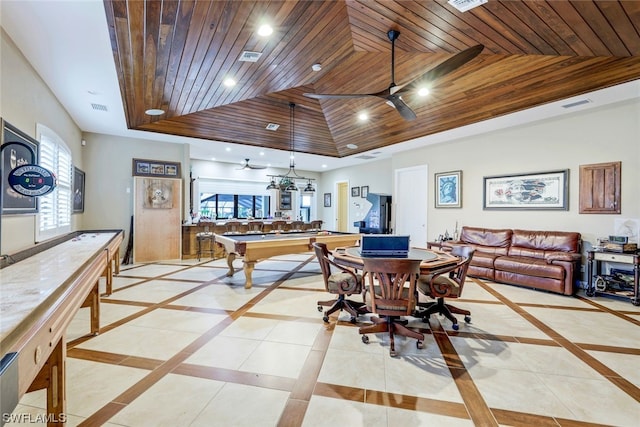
point(600, 257)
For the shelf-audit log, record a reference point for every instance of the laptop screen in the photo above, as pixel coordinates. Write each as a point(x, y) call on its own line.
point(384, 245)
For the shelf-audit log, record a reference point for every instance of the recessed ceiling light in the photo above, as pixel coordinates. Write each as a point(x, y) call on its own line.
point(324, 166)
point(316, 67)
point(272, 126)
point(227, 149)
point(352, 146)
point(213, 158)
point(262, 153)
point(423, 91)
point(154, 112)
point(265, 30)
point(229, 82)
point(363, 117)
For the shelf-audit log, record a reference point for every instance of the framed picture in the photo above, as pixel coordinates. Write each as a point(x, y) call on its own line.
point(542, 190)
point(16, 149)
point(155, 168)
point(355, 191)
point(78, 190)
point(448, 189)
point(327, 200)
point(364, 191)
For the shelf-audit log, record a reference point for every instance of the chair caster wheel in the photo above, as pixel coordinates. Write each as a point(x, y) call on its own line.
point(326, 319)
point(455, 326)
point(467, 319)
point(353, 320)
point(365, 339)
point(319, 308)
point(419, 345)
point(393, 353)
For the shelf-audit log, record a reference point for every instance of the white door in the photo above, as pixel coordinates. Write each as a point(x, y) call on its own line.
point(410, 203)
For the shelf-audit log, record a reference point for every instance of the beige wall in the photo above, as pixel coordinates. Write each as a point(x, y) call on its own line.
point(594, 136)
point(24, 101)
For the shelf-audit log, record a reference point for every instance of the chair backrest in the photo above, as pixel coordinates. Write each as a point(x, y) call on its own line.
point(322, 253)
point(234, 227)
point(316, 224)
point(279, 225)
point(296, 226)
point(255, 226)
point(459, 274)
point(388, 290)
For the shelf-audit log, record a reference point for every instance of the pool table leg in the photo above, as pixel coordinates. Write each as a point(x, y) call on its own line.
point(230, 258)
point(248, 271)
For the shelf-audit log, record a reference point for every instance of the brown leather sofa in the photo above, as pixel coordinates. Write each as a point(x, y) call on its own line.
point(547, 260)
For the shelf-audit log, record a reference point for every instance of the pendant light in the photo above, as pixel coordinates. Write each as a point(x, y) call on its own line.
point(288, 180)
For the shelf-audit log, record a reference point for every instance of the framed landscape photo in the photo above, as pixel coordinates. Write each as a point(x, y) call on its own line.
point(528, 191)
point(448, 189)
point(78, 190)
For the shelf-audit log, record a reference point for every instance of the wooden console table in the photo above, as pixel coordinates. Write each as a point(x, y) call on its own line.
point(599, 257)
point(41, 293)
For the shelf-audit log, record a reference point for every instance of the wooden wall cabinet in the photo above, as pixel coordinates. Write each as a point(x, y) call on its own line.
point(600, 188)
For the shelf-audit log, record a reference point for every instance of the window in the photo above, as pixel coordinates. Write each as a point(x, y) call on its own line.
point(226, 206)
point(54, 217)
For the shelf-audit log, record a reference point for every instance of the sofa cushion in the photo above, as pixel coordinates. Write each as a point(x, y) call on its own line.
point(487, 240)
point(548, 241)
point(537, 267)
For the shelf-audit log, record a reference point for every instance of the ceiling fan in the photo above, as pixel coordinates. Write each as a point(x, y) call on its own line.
point(393, 94)
point(248, 166)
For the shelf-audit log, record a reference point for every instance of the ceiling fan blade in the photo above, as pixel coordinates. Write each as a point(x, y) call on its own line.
point(336, 96)
point(444, 68)
point(248, 166)
point(405, 111)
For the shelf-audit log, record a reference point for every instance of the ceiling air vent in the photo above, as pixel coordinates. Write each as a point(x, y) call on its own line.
point(464, 5)
point(248, 56)
point(99, 107)
point(364, 157)
point(272, 126)
point(575, 104)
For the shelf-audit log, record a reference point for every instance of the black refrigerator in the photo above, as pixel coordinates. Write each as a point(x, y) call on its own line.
point(378, 219)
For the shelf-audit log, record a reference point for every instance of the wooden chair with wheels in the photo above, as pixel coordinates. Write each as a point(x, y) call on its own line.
point(448, 284)
point(391, 295)
point(342, 282)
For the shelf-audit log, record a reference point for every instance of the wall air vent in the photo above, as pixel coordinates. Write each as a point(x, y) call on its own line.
point(248, 56)
point(575, 104)
point(272, 126)
point(464, 5)
point(99, 107)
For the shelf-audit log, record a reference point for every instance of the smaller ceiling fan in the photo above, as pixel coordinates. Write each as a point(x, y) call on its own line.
point(393, 94)
point(248, 166)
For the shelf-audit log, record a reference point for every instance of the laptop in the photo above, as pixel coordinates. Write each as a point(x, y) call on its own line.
point(384, 246)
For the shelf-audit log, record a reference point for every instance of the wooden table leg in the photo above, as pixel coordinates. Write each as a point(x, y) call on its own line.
point(230, 258)
point(248, 272)
point(52, 377)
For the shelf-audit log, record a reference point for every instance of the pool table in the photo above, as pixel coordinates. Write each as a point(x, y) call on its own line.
point(258, 246)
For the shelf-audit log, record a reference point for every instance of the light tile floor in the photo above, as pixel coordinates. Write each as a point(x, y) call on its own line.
point(181, 344)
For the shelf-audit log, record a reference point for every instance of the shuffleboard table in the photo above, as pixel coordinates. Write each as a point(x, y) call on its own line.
point(255, 247)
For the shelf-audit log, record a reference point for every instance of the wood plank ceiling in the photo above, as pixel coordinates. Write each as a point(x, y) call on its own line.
point(175, 55)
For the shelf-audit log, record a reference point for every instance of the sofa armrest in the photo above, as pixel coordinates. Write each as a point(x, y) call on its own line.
point(551, 257)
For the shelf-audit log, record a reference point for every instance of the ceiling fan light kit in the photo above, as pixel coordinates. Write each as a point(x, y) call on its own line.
point(393, 94)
